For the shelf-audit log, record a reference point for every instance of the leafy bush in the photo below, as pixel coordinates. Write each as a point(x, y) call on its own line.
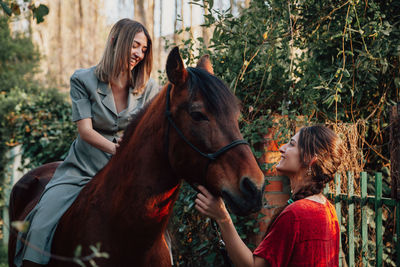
point(194, 237)
point(42, 125)
point(19, 59)
point(326, 60)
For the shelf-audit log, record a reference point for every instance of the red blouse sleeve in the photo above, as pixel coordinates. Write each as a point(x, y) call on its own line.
point(279, 242)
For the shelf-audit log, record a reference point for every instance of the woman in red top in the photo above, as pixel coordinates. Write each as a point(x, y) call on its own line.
point(306, 231)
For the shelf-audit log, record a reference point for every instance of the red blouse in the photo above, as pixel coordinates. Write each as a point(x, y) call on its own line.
point(306, 233)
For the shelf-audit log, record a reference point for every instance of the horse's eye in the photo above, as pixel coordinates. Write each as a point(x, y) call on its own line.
point(198, 116)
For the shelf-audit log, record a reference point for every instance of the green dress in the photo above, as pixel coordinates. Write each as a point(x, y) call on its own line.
point(91, 98)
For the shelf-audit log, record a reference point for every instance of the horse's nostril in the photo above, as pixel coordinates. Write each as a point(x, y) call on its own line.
point(247, 187)
point(249, 199)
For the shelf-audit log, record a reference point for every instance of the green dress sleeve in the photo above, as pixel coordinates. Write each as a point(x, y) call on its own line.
point(81, 106)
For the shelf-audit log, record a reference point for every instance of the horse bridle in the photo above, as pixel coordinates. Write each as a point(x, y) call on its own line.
point(210, 156)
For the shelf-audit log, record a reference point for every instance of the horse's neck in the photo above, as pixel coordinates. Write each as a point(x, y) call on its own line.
point(138, 180)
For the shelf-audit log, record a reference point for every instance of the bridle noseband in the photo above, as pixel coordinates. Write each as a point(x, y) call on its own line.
point(210, 156)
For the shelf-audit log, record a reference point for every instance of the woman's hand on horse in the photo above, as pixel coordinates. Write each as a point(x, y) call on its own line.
point(211, 206)
point(91, 136)
point(116, 145)
point(119, 140)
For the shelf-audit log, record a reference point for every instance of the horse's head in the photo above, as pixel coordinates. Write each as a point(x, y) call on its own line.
point(203, 119)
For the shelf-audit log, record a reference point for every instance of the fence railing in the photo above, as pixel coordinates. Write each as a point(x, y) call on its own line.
point(363, 200)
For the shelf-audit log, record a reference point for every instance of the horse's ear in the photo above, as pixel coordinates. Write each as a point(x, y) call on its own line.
point(205, 64)
point(176, 71)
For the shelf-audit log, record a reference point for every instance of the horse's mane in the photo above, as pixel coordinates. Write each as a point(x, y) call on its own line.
point(217, 97)
point(136, 118)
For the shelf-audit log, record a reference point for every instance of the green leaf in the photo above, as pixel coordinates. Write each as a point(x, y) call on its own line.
point(78, 251)
point(40, 12)
point(6, 8)
point(211, 3)
point(397, 82)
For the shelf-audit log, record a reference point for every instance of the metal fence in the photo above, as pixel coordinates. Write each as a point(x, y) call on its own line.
point(363, 200)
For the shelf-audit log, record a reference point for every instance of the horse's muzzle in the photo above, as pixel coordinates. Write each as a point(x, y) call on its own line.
point(248, 201)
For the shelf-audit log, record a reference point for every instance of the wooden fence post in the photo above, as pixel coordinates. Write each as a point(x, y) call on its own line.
point(394, 147)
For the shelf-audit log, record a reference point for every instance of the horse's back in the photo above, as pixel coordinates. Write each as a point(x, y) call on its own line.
point(25, 195)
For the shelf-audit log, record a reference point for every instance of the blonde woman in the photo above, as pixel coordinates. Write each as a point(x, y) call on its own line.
point(104, 98)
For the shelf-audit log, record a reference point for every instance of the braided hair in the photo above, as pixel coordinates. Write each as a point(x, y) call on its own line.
point(320, 151)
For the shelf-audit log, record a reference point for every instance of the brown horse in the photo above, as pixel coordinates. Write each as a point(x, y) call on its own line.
point(126, 206)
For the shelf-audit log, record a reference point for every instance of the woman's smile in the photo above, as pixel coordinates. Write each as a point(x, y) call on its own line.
point(138, 49)
point(134, 61)
point(289, 162)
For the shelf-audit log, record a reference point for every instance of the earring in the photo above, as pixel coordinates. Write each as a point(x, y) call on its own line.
point(309, 171)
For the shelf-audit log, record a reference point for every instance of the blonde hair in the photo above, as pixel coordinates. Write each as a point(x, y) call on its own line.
point(117, 55)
